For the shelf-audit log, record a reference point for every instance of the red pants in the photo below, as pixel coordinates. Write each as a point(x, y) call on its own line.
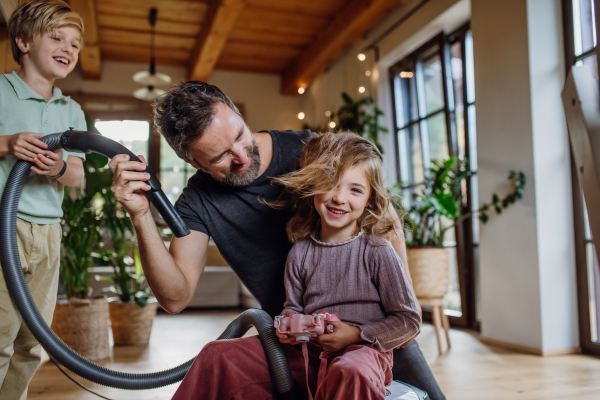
point(237, 369)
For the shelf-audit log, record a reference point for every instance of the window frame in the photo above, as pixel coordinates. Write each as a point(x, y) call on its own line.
point(463, 233)
point(585, 333)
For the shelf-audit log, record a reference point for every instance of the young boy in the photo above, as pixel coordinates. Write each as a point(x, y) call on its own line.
point(45, 40)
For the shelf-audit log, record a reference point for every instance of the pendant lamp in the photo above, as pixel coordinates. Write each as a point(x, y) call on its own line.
point(151, 78)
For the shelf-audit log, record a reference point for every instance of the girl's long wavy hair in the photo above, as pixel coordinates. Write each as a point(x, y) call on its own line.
point(324, 161)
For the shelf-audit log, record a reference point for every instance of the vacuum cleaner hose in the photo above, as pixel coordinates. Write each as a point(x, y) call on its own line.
point(78, 141)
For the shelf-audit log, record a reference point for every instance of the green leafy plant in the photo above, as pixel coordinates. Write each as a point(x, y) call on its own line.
point(81, 224)
point(127, 285)
point(359, 116)
point(435, 206)
point(97, 231)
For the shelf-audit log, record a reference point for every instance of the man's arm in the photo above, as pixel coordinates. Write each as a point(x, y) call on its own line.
point(173, 275)
point(398, 241)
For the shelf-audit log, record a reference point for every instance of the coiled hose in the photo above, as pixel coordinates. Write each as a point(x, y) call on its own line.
point(79, 141)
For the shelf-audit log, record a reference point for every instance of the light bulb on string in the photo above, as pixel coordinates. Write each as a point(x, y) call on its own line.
point(362, 56)
point(301, 115)
point(361, 89)
point(332, 124)
point(367, 73)
point(300, 90)
point(151, 78)
point(328, 113)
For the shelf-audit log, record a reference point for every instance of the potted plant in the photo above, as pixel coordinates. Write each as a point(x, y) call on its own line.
point(81, 322)
point(133, 311)
point(435, 208)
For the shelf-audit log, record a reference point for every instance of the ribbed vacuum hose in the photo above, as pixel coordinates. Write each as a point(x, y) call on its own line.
point(283, 382)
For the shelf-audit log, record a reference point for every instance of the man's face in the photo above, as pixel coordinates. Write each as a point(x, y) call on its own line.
point(227, 150)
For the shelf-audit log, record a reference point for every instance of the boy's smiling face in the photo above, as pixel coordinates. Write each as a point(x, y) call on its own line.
point(53, 54)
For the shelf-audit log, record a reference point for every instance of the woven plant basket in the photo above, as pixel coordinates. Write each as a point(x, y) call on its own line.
point(83, 326)
point(132, 324)
point(429, 271)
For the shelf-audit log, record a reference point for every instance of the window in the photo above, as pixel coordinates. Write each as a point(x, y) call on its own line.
point(174, 172)
point(133, 135)
point(434, 102)
point(580, 49)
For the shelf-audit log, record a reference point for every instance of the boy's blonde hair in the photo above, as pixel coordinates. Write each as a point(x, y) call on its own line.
point(324, 161)
point(39, 17)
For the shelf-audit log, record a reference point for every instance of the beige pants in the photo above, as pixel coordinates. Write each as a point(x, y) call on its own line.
point(39, 250)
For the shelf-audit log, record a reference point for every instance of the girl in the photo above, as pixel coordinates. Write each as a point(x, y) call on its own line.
point(340, 263)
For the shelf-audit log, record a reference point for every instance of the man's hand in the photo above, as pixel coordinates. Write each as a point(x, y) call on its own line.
point(49, 163)
point(26, 146)
point(343, 336)
point(129, 184)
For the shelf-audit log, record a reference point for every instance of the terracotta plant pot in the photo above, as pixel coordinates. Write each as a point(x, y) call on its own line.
point(131, 324)
point(83, 326)
point(429, 271)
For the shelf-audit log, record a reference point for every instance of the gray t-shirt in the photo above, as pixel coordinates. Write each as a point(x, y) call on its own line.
point(361, 281)
point(250, 235)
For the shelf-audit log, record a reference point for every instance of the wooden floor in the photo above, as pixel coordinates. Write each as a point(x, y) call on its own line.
point(469, 371)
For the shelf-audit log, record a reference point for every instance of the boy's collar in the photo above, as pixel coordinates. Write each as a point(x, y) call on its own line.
point(24, 91)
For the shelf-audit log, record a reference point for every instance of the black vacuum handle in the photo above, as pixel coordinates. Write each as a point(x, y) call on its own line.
point(87, 142)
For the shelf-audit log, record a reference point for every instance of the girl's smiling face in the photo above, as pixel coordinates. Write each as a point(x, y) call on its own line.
point(342, 206)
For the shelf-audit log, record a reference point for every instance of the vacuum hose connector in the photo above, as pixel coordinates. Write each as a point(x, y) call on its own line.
point(79, 141)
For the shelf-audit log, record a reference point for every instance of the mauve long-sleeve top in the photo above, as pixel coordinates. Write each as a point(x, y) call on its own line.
point(362, 281)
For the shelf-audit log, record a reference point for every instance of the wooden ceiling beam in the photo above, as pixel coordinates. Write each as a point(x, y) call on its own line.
point(7, 7)
point(344, 30)
point(90, 61)
point(168, 10)
point(140, 24)
point(220, 20)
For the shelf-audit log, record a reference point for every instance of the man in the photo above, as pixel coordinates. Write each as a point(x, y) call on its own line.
point(222, 201)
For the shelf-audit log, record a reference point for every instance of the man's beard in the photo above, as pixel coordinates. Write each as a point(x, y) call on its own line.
point(245, 177)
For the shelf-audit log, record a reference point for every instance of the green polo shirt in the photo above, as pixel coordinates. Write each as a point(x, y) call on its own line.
point(24, 110)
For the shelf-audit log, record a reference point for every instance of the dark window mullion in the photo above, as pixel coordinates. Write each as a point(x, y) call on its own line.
point(588, 53)
point(433, 114)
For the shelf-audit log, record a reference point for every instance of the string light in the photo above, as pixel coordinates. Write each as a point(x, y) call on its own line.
point(406, 74)
point(300, 90)
point(368, 73)
point(361, 89)
point(328, 114)
point(332, 124)
point(362, 57)
point(300, 115)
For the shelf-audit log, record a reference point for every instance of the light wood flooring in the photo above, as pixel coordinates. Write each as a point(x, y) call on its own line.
point(470, 370)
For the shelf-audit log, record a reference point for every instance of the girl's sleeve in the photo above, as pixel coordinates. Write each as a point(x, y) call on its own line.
point(402, 321)
point(294, 283)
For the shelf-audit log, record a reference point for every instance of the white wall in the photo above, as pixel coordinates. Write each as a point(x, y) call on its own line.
point(260, 94)
point(555, 230)
point(526, 256)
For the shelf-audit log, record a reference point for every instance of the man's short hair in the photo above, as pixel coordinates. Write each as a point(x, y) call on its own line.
point(185, 112)
point(39, 17)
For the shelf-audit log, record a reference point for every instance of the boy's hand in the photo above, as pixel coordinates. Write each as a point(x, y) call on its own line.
point(26, 146)
point(343, 336)
point(50, 163)
point(287, 339)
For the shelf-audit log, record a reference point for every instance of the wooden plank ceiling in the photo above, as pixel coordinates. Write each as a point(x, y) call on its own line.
point(287, 37)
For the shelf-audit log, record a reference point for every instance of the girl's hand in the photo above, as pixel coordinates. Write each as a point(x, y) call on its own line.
point(343, 336)
point(287, 339)
point(26, 146)
point(50, 163)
